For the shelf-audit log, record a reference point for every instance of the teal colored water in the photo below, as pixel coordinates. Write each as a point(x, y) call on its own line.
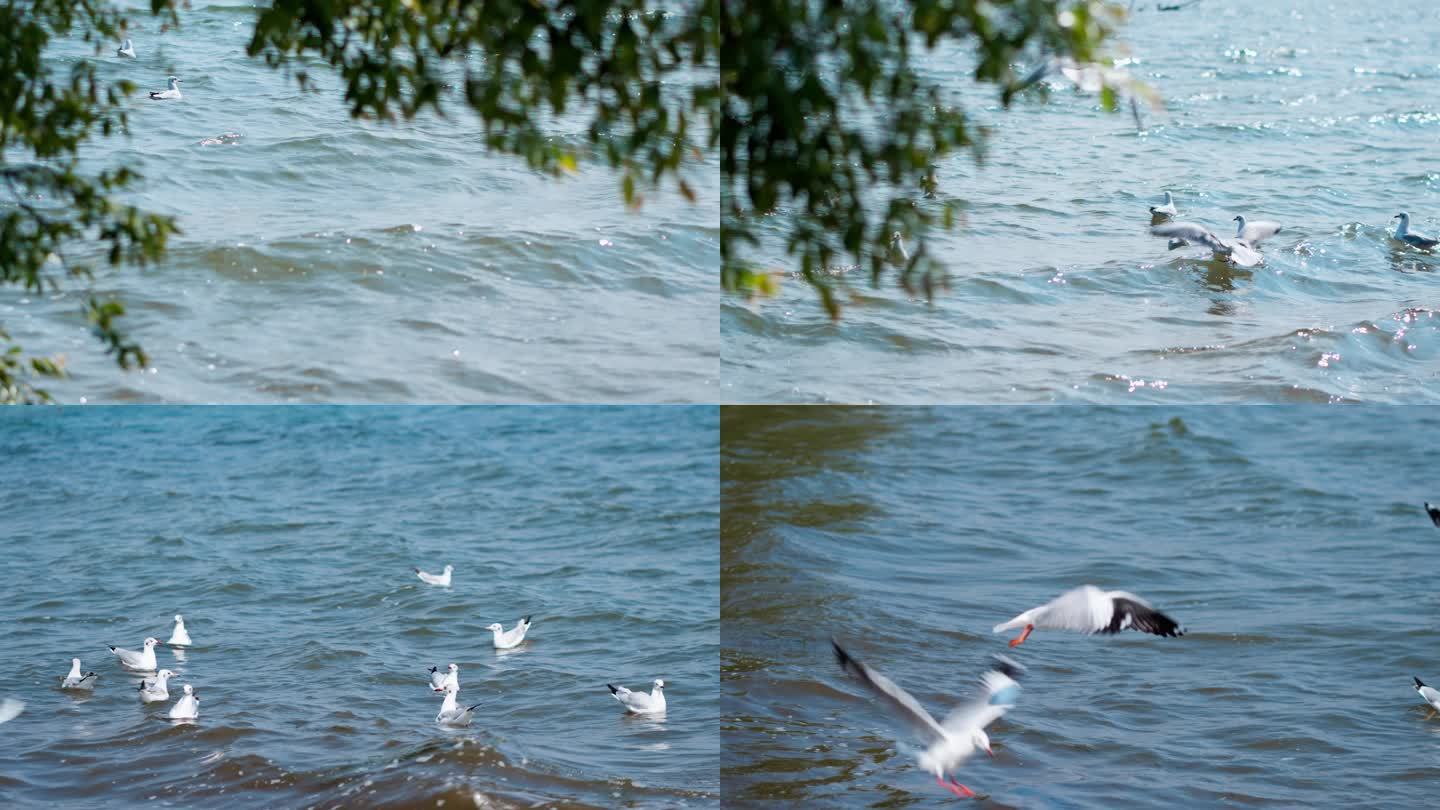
point(286, 537)
point(327, 259)
point(1318, 115)
point(1291, 542)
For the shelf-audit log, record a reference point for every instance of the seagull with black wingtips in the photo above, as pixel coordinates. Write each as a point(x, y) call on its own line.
point(1089, 610)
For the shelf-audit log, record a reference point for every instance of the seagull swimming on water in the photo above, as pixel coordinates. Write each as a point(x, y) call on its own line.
point(143, 661)
point(1402, 232)
point(172, 92)
point(127, 48)
point(179, 638)
point(1163, 213)
point(639, 702)
point(187, 707)
point(77, 681)
point(440, 681)
point(1429, 695)
point(157, 689)
point(1236, 251)
point(451, 712)
point(505, 639)
point(1089, 610)
point(436, 579)
point(962, 733)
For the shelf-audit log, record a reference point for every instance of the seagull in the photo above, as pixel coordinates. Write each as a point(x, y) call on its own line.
point(436, 579)
point(505, 639)
point(639, 702)
point(187, 707)
point(1430, 695)
point(1255, 232)
point(179, 638)
point(897, 254)
point(1163, 213)
point(172, 92)
point(1402, 232)
point(156, 689)
point(440, 681)
point(962, 733)
point(451, 714)
point(127, 48)
point(139, 661)
point(1237, 251)
point(10, 708)
point(1088, 610)
point(1433, 512)
point(77, 681)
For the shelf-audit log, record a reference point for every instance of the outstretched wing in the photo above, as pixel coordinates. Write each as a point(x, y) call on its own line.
point(900, 702)
point(1134, 613)
point(1254, 232)
point(1192, 233)
point(999, 690)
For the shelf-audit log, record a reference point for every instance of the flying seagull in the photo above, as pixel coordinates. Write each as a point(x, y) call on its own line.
point(1238, 252)
point(962, 733)
point(1089, 610)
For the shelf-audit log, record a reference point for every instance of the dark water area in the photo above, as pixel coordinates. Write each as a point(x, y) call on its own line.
point(286, 536)
point(1291, 542)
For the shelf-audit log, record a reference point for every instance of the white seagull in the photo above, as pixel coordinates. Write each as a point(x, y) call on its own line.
point(1163, 213)
point(156, 689)
point(127, 48)
point(1236, 251)
point(436, 579)
point(639, 702)
point(897, 254)
point(179, 638)
point(172, 92)
point(452, 713)
point(1429, 695)
point(440, 681)
point(505, 639)
point(1088, 609)
point(143, 661)
point(77, 681)
point(962, 733)
point(1402, 232)
point(187, 707)
point(1253, 233)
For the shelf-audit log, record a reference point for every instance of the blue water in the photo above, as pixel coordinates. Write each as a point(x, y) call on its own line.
point(286, 537)
point(1291, 542)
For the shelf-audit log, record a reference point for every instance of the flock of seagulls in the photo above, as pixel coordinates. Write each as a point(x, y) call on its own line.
point(447, 682)
point(1242, 249)
point(170, 93)
point(143, 661)
point(950, 742)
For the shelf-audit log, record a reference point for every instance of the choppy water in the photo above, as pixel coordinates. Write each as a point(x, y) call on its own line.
point(1320, 115)
point(286, 537)
point(1291, 542)
point(326, 259)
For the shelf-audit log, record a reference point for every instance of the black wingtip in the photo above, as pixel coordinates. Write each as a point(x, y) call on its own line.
point(416, 570)
point(842, 657)
point(433, 670)
point(473, 708)
point(526, 620)
point(112, 649)
point(1418, 683)
point(613, 690)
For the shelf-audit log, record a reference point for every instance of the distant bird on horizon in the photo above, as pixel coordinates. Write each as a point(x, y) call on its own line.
point(1402, 232)
point(1163, 213)
point(1429, 695)
point(1089, 610)
point(1433, 512)
point(173, 92)
point(127, 48)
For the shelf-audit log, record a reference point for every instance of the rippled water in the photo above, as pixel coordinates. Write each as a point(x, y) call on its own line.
point(1320, 115)
point(286, 537)
point(327, 259)
point(1290, 541)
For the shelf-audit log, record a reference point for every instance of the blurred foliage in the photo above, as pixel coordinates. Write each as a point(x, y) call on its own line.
point(823, 103)
point(642, 71)
point(46, 202)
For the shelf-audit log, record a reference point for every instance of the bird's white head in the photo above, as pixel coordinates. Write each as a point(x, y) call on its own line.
point(1168, 199)
point(164, 673)
point(449, 568)
point(173, 81)
point(454, 667)
point(75, 662)
point(1404, 220)
point(496, 626)
point(190, 690)
point(151, 642)
point(659, 684)
point(179, 618)
point(982, 741)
